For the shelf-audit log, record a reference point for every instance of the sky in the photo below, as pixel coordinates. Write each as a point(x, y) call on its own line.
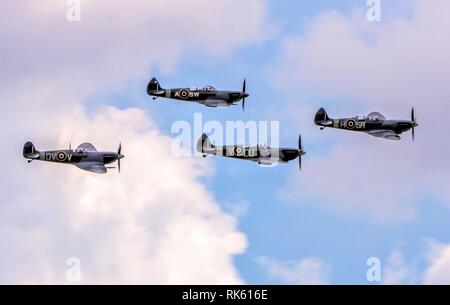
point(169, 219)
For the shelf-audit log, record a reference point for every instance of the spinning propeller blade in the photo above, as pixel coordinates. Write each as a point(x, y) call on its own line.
point(414, 123)
point(244, 92)
point(119, 154)
point(301, 152)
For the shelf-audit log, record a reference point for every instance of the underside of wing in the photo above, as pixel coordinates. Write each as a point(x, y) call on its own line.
point(385, 134)
point(268, 162)
point(88, 147)
point(215, 103)
point(94, 167)
point(244, 158)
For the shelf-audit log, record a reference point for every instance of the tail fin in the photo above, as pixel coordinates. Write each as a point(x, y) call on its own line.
point(153, 86)
point(204, 144)
point(29, 151)
point(321, 116)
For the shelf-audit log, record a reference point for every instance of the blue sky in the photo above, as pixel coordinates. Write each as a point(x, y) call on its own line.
point(275, 227)
point(356, 197)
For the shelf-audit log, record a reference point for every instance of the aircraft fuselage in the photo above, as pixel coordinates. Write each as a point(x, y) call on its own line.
point(261, 154)
point(70, 156)
point(211, 98)
point(365, 125)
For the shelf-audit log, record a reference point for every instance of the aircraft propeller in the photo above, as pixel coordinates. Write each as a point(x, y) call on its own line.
point(414, 122)
point(244, 94)
point(119, 156)
point(301, 152)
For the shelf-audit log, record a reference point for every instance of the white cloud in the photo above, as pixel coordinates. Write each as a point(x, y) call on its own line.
point(115, 43)
point(308, 271)
point(154, 223)
point(237, 208)
point(390, 67)
point(438, 273)
point(397, 271)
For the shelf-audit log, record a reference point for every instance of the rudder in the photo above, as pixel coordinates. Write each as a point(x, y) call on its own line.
point(204, 144)
point(29, 150)
point(321, 116)
point(153, 86)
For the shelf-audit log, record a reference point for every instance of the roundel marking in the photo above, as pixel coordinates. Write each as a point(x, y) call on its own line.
point(184, 93)
point(350, 124)
point(61, 156)
point(265, 152)
point(238, 150)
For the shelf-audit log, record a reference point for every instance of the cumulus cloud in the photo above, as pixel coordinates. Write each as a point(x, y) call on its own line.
point(436, 260)
point(398, 271)
point(390, 67)
point(116, 42)
point(438, 272)
point(308, 271)
point(154, 223)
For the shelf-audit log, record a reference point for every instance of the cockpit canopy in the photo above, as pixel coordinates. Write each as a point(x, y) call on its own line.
point(209, 89)
point(375, 116)
point(86, 147)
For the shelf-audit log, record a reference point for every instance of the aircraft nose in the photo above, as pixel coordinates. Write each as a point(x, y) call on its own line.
point(290, 154)
point(120, 156)
point(244, 95)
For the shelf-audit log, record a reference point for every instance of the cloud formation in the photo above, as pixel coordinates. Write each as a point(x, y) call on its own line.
point(438, 273)
point(397, 270)
point(390, 67)
point(308, 271)
point(115, 43)
point(154, 223)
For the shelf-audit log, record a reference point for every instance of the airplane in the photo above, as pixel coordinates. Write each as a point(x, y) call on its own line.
point(85, 157)
point(208, 95)
point(375, 124)
point(262, 154)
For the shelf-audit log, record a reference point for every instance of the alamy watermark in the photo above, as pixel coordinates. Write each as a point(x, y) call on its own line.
point(255, 134)
point(74, 10)
point(374, 271)
point(73, 274)
point(374, 10)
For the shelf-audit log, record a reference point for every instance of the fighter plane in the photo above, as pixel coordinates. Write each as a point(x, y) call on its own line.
point(208, 95)
point(262, 154)
point(375, 124)
point(85, 157)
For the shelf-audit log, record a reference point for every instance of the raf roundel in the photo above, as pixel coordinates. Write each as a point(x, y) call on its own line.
point(350, 124)
point(184, 93)
point(265, 152)
point(61, 156)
